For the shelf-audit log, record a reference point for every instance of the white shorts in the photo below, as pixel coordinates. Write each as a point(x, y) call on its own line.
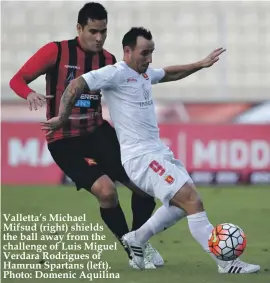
point(158, 174)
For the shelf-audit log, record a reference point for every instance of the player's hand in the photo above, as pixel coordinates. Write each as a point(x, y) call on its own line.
point(51, 125)
point(212, 58)
point(36, 100)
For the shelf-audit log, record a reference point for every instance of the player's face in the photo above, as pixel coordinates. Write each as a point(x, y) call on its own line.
point(142, 54)
point(93, 35)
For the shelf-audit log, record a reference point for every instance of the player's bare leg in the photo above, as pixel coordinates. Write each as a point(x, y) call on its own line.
point(200, 227)
point(105, 192)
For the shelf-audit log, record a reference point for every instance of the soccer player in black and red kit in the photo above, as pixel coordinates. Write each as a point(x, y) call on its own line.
point(86, 149)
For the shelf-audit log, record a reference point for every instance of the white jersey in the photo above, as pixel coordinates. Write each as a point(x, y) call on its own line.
point(129, 98)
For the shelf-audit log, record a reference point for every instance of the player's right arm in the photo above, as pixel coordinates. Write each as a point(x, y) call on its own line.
point(103, 78)
point(39, 64)
point(178, 72)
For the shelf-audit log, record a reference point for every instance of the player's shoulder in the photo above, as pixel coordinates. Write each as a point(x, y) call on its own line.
point(65, 42)
point(122, 69)
point(115, 68)
point(60, 41)
point(108, 72)
point(154, 72)
point(49, 49)
point(109, 55)
point(120, 65)
point(117, 72)
point(59, 45)
point(57, 42)
point(54, 45)
point(149, 71)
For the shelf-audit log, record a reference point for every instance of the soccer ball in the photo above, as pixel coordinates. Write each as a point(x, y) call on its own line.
point(227, 241)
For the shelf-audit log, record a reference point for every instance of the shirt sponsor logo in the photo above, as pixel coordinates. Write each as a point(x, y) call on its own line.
point(83, 103)
point(90, 161)
point(146, 92)
point(146, 103)
point(146, 95)
point(130, 80)
point(72, 67)
point(89, 96)
point(169, 179)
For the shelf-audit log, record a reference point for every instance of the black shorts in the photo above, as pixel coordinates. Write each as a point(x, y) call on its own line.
point(84, 159)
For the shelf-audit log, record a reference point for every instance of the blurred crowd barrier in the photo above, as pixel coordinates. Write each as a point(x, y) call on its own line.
point(184, 32)
point(212, 154)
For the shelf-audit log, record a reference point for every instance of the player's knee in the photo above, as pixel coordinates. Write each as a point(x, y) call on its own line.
point(108, 195)
point(188, 199)
point(105, 191)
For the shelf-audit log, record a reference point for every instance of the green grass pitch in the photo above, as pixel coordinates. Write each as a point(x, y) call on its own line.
point(185, 261)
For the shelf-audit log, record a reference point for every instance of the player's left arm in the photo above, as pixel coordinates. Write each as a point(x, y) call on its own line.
point(71, 94)
point(94, 80)
point(174, 73)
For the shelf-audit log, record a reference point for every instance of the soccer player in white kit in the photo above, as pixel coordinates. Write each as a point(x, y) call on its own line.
point(127, 88)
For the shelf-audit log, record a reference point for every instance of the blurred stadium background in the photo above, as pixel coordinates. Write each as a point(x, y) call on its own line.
point(217, 121)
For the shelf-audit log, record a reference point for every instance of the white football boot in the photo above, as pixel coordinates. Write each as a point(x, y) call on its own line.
point(238, 266)
point(152, 255)
point(137, 250)
point(152, 258)
point(147, 264)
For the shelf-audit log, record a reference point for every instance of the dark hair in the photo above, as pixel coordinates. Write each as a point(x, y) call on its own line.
point(130, 38)
point(93, 11)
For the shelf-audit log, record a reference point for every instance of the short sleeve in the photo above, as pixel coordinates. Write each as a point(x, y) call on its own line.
point(102, 78)
point(156, 75)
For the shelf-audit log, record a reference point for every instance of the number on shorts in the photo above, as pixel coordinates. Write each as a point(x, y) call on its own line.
point(157, 168)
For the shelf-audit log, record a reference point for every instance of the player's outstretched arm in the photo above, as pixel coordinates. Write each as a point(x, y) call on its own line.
point(174, 73)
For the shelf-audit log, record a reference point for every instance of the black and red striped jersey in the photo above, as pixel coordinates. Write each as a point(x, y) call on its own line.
point(72, 62)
